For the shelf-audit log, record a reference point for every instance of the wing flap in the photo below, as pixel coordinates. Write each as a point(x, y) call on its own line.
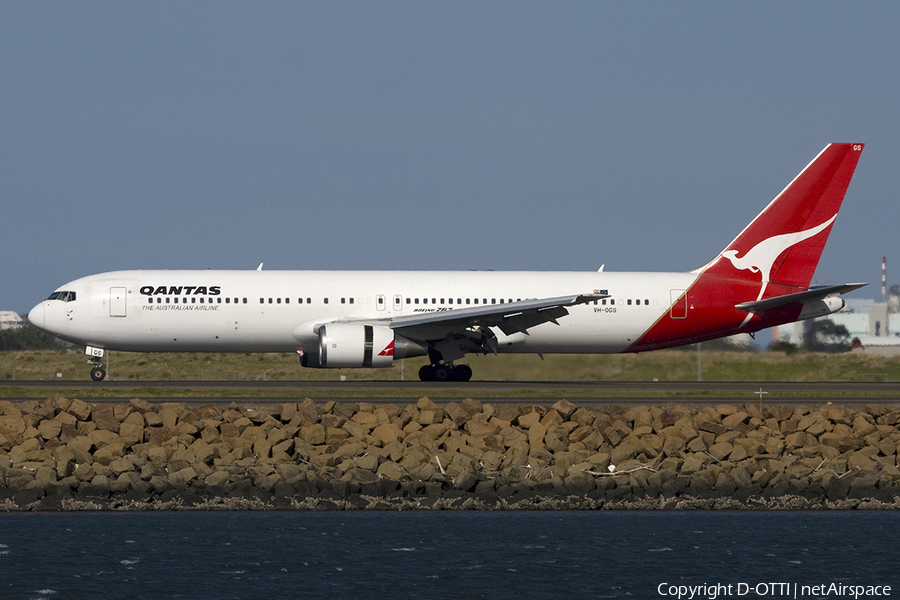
point(510, 317)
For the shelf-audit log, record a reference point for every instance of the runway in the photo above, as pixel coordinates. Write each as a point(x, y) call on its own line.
point(517, 392)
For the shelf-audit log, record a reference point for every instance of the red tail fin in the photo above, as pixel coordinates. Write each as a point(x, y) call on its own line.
point(784, 242)
point(775, 256)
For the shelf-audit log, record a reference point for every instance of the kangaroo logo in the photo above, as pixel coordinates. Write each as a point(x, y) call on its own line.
point(761, 257)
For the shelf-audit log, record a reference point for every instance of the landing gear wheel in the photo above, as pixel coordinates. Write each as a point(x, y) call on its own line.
point(462, 373)
point(426, 373)
point(98, 374)
point(443, 373)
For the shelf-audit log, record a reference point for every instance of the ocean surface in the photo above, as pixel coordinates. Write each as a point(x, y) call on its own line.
point(458, 555)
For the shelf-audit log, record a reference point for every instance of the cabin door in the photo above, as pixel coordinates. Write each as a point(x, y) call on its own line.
point(117, 301)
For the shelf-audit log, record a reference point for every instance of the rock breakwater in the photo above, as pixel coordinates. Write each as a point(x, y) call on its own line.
point(67, 454)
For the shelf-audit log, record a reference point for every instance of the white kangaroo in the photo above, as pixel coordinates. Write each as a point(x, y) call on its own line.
point(761, 257)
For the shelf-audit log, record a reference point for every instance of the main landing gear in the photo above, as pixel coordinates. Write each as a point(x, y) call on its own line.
point(445, 372)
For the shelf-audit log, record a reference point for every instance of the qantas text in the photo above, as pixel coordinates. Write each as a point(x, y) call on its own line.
point(181, 290)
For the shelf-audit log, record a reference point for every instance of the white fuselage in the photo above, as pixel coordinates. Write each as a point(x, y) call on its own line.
point(280, 311)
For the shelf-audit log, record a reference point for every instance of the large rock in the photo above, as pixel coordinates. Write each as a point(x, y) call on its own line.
point(105, 418)
point(79, 409)
point(313, 434)
point(564, 408)
point(131, 433)
point(691, 464)
point(387, 433)
point(391, 470)
point(13, 427)
point(49, 428)
point(734, 420)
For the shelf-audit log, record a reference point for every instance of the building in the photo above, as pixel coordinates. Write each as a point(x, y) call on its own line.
point(10, 320)
point(866, 320)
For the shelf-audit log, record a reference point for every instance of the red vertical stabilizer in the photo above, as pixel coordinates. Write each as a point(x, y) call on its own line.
point(784, 242)
point(776, 254)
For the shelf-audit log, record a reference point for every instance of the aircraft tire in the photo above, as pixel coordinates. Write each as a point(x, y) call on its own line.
point(443, 373)
point(98, 374)
point(462, 373)
point(426, 373)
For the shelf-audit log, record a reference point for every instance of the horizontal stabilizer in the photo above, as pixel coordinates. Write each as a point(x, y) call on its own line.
point(798, 298)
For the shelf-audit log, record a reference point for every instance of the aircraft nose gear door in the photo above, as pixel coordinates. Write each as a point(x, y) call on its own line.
point(117, 301)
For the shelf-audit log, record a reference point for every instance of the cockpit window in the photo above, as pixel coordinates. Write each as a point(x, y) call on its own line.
point(64, 296)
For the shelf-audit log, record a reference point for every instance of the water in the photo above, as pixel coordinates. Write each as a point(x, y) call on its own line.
point(429, 555)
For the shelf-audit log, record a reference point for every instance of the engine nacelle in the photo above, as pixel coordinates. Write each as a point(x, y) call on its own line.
point(353, 345)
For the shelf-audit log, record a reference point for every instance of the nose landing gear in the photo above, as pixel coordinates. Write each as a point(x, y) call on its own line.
point(97, 373)
point(96, 362)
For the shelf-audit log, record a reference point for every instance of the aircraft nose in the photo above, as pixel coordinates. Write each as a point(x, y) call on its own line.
point(36, 316)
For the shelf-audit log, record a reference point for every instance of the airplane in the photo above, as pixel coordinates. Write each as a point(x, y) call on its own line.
point(340, 319)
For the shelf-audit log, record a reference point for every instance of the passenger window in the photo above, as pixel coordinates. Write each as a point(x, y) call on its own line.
point(326, 300)
point(278, 302)
point(351, 300)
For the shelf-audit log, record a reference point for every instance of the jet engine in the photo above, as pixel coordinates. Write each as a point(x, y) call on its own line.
point(352, 345)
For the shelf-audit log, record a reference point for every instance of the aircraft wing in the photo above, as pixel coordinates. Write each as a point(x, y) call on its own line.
point(454, 332)
point(819, 293)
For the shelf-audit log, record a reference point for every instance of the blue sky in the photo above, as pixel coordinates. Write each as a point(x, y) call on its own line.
point(466, 135)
